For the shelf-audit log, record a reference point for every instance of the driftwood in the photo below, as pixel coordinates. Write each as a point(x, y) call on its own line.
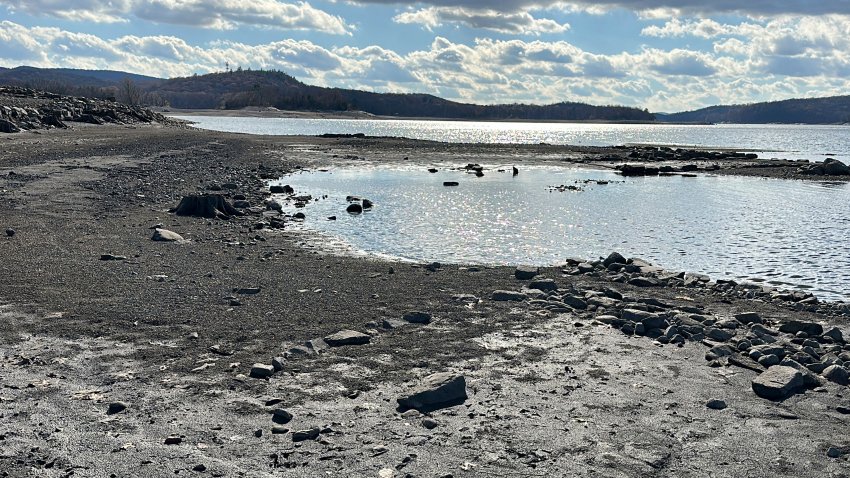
point(207, 205)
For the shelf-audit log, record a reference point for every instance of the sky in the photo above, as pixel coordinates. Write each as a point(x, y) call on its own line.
point(663, 55)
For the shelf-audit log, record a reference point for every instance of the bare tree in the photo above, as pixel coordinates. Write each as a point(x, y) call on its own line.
point(129, 92)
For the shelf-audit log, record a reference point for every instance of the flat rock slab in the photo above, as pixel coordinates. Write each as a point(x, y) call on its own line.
point(507, 295)
point(347, 337)
point(436, 391)
point(164, 235)
point(778, 382)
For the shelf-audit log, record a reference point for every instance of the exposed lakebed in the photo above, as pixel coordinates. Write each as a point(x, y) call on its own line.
point(784, 233)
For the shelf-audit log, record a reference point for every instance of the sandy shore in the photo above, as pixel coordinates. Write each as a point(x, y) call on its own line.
point(141, 365)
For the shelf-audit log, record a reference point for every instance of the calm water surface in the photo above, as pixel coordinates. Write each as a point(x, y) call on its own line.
point(783, 141)
point(788, 233)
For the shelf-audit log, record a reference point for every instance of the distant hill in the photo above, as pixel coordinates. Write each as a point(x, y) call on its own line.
point(238, 89)
point(830, 110)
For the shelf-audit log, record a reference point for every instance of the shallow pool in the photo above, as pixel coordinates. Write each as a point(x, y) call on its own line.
point(787, 233)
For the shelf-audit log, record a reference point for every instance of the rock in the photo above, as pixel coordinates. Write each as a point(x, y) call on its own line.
point(543, 284)
point(173, 440)
point(287, 189)
point(164, 235)
point(200, 468)
point(277, 363)
point(778, 382)
point(506, 295)
point(768, 360)
point(837, 374)
point(415, 317)
point(715, 404)
point(748, 318)
point(835, 334)
point(111, 257)
point(450, 183)
point(575, 302)
point(303, 435)
point(833, 452)
point(281, 416)
point(429, 423)
point(833, 167)
point(719, 351)
point(436, 391)
point(7, 126)
point(247, 290)
point(10, 232)
point(241, 204)
point(794, 326)
point(614, 258)
point(354, 208)
point(391, 324)
point(347, 337)
point(719, 335)
point(526, 272)
point(260, 370)
point(279, 430)
point(644, 282)
point(367, 204)
point(116, 407)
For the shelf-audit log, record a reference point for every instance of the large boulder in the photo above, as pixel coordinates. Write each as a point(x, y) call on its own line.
point(436, 391)
point(778, 382)
point(833, 167)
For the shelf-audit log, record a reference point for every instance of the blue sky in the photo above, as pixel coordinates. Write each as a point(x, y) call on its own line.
point(665, 55)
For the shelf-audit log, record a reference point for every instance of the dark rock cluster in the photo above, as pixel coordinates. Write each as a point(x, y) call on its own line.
point(24, 109)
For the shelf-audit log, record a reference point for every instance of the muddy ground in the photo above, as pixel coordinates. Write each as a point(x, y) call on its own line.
point(165, 330)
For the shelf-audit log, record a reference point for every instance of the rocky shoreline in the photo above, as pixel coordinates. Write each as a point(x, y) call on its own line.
point(234, 347)
point(24, 109)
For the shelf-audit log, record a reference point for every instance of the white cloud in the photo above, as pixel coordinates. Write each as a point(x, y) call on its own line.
point(521, 22)
point(215, 14)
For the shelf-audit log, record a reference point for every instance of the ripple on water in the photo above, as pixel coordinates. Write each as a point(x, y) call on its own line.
point(744, 227)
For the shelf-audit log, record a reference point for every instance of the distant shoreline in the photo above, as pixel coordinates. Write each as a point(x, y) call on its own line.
point(362, 115)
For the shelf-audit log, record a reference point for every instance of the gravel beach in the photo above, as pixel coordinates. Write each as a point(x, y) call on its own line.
point(243, 348)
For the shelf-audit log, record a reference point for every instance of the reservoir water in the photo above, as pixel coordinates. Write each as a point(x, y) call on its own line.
point(786, 233)
point(813, 142)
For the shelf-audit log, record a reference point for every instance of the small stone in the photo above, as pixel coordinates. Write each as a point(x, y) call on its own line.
point(174, 440)
point(614, 258)
point(116, 407)
point(716, 404)
point(111, 257)
point(10, 232)
point(281, 416)
point(429, 423)
point(303, 435)
point(279, 430)
point(347, 337)
point(261, 370)
point(277, 363)
point(415, 317)
point(391, 324)
point(200, 468)
point(833, 452)
point(164, 235)
point(644, 282)
point(719, 335)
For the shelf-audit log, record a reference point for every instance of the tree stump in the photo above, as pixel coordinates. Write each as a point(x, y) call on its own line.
point(206, 205)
